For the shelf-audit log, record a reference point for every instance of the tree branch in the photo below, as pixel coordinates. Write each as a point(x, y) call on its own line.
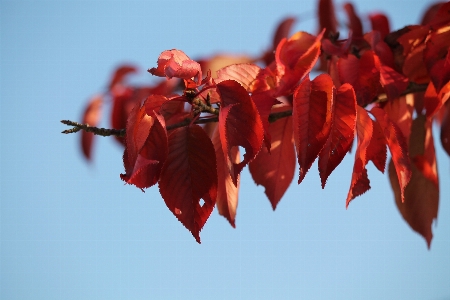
point(204, 107)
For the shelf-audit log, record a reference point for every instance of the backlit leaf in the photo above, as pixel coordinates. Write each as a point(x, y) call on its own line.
point(227, 192)
point(275, 170)
point(397, 145)
point(312, 119)
point(343, 122)
point(360, 182)
point(239, 124)
point(91, 116)
point(188, 175)
point(421, 195)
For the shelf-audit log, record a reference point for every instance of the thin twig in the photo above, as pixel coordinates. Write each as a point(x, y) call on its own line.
point(204, 107)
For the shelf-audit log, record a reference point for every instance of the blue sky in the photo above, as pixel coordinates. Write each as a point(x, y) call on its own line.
point(70, 230)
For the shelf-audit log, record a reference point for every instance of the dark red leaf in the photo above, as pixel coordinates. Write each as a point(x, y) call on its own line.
point(227, 192)
point(327, 17)
point(91, 116)
point(343, 121)
point(188, 175)
point(276, 169)
point(397, 145)
point(421, 195)
point(312, 119)
point(239, 124)
point(380, 23)
point(363, 74)
point(364, 130)
point(445, 129)
point(377, 149)
point(355, 24)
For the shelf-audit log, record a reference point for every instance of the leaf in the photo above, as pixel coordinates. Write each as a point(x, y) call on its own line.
point(363, 74)
point(282, 31)
point(400, 112)
point(175, 63)
point(264, 103)
point(91, 116)
point(364, 130)
point(327, 17)
point(188, 175)
point(239, 124)
point(445, 129)
point(146, 148)
point(343, 122)
point(377, 149)
point(312, 119)
point(120, 73)
point(393, 82)
point(227, 192)
point(275, 169)
point(355, 24)
point(397, 146)
point(380, 23)
point(421, 195)
point(245, 74)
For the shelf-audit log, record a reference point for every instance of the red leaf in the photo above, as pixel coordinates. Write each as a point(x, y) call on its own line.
point(364, 131)
point(295, 58)
point(227, 192)
point(397, 145)
point(245, 74)
point(363, 74)
point(327, 17)
point(276, 169)
point(393, 82)
point(343, 119)
point(175, 63)
point(445, 129)
point(380, 23)
point(312, 119)
point(355, 24)
point(188, 175)
point(282, 31)
point(400, 112)
point(377, 149)
point(264, 102)
point(239, 124)
point(143, 164)
point(120, 74)
point(91, 116)
point(421, 195)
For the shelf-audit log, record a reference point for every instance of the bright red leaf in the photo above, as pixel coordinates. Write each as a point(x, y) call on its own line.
point(312, 119)
point(276, 169)
point(380, 23)
point(397, 145)
point(377, 149)
point(189, 175)
point(239, 124)
point(227, 192)
point(343, 121)
point(364, 131)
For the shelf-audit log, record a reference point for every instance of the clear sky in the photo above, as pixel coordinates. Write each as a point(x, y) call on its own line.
point(70, 230)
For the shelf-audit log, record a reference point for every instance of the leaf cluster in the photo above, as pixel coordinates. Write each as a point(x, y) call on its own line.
point(381, 88)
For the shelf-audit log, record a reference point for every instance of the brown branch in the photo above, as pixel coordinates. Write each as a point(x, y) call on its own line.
point(204, 107)
point(95, 130)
